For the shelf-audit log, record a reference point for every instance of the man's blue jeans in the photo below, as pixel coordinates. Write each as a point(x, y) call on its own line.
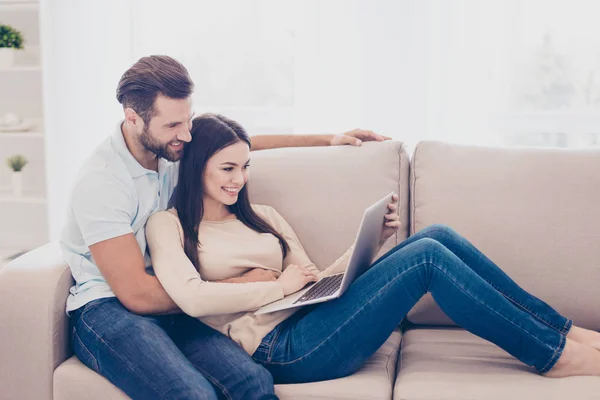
point(334, 339)
point(164, 357)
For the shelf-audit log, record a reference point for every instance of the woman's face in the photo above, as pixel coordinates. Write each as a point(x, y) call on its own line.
point(226, 173)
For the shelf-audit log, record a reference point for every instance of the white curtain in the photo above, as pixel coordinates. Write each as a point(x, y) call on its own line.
point(486, 72)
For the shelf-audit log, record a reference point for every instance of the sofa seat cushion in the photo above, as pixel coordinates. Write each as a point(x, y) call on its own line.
point(453, 364)
point(74, 381)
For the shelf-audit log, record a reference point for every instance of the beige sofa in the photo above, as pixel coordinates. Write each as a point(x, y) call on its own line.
point(533, 211)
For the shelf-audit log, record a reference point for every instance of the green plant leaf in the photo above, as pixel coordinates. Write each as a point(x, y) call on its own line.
point(10, 37)
point(17, 162)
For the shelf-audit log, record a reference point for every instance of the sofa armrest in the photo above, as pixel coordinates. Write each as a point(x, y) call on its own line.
point(33, 325)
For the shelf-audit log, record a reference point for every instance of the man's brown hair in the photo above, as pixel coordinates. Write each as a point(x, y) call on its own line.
point(146, 79)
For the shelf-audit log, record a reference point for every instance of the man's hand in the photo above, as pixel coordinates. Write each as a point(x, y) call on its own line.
point(355, 137)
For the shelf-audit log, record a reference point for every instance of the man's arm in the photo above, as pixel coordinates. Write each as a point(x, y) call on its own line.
point(121, 263)
point(354, 138)
point(263, 142)
point(103, 206)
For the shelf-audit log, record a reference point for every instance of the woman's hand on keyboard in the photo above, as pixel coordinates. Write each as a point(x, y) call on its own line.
point(295, 278)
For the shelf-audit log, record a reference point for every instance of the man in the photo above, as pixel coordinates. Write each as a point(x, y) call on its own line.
point(124, 325)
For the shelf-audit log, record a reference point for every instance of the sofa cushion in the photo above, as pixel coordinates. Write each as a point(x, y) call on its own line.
point(74, 381)
point(453, 364)
point(323, 191)
point(534, 212)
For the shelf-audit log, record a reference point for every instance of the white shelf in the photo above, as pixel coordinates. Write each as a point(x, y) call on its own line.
point(22, 68)
point(22, 135)
point(6, 198)
point(19, 5)
point(36, 131)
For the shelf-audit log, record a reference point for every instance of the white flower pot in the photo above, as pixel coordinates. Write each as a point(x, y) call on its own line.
point(17, 183)
point(7, 57)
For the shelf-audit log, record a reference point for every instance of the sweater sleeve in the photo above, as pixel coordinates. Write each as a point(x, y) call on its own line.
point(184, 284)
point(297, 255)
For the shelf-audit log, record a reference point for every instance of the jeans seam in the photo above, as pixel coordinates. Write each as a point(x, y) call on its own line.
point(127, 364)
point(555, 356)
point(214, 382)
point(385, 287)
point(272, 345)
point(567, 326)
point(524, 307)
point(96, 364)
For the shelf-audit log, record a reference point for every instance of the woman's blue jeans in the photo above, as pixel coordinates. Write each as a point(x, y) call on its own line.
point(334, 339)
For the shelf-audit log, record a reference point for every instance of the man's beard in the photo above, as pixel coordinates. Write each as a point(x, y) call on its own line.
point(161, 150)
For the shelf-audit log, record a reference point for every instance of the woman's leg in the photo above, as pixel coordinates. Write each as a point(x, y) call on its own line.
point(335, 338)
point(492, 274)
point(488, 270)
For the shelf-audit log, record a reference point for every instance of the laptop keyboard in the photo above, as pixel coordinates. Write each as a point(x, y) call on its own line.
point(325, 287)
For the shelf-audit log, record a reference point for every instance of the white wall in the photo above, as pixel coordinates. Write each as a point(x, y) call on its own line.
point(86, 46)
point(410, 69)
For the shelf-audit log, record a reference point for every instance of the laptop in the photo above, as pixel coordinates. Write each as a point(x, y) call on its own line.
point(333, 286)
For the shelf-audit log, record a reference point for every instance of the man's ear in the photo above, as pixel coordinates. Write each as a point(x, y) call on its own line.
point(131, 117)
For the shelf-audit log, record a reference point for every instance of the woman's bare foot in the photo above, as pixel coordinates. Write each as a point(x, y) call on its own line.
point(576, 360)
point(585, 336)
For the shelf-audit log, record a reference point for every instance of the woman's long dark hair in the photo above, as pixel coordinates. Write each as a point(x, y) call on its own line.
point(211, 133)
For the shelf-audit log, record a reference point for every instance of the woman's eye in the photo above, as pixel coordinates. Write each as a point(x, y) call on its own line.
point(246, 166)
point(227, 169)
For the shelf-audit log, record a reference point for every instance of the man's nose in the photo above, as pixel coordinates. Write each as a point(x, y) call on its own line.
point(184, 135)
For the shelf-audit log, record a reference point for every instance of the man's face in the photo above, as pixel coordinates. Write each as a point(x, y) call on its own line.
point(169, 128)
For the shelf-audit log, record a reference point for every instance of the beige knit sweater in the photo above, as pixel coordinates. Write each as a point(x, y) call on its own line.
point(228, 249)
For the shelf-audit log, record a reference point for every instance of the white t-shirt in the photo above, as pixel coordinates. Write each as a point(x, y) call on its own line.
point(112, 196)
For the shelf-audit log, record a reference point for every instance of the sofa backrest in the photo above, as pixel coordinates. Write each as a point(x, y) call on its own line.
point(534, 212)
point(323, 191)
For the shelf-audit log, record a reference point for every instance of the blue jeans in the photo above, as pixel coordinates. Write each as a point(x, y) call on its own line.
point(164, 357)
point(334, 339)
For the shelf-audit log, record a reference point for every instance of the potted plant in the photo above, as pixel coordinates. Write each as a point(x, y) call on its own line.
point(17, 163)
point(11, 40)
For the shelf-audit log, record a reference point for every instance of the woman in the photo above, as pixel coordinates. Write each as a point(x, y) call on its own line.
point(220, 258)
